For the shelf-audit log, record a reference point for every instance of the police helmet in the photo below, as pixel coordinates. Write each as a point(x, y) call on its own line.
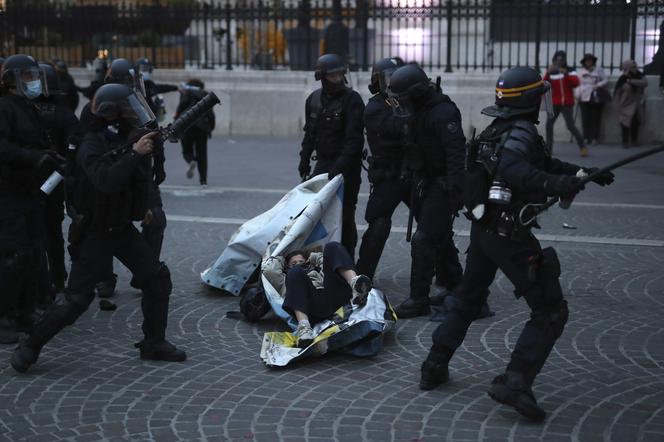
point(519, 91)
point(52, 79)
point(60, 65)
point(144, 65)
point(22, 73)
point(254, 304)
point(329, 64)
point(122, 71)
point(114, 102)
point(381, 72)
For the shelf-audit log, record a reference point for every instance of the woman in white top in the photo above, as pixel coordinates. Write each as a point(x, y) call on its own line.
point(592, 95)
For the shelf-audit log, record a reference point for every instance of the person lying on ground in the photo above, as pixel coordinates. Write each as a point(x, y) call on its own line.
point(315, 285)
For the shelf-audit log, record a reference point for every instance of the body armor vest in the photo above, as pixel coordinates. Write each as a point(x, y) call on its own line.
point(329, 122)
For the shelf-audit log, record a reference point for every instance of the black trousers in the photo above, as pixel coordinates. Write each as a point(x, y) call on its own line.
point(591, 118)
point(487, 253)
point(153, 233)
point(194, 148)
point(568, 115)
point(352, 182)
point(319, 304)
point(22, 236)
point(93, 255)
point(433, 242)
point(631, 133)
point(385, 196)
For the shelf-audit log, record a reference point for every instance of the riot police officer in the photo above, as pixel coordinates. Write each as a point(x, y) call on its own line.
point(112, 193)
point(121, 71)
point(69, 96)
point(510, 167)
point(152, 89)
point(434, 162)
point(333, 128)
point(26, 160)
point(100, 66)
point(61, 126)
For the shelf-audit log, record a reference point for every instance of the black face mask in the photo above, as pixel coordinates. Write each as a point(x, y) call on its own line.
point(333, 88)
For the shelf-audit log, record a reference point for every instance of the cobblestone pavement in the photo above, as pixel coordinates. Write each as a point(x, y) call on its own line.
point(603, 381)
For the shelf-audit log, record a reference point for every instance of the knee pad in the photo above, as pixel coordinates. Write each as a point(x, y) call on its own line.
point(421, 246)
point(160, 282)
point(381, 228)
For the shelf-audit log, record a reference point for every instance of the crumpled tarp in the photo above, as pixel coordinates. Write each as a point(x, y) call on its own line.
point(242, 256)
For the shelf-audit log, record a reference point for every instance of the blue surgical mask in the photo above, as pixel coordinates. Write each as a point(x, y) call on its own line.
point(33, 89)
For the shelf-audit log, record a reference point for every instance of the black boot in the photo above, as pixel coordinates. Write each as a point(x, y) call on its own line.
point(8, 332)
point(413, 307)
point(24, 356)
point(160, 351)
point(433, 374)
point(438, 294)
point(106, 288)
point(512, 389)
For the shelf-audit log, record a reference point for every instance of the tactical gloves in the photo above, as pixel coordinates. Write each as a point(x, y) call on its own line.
point(603, 179)
point(564, 186)
point(304, 169)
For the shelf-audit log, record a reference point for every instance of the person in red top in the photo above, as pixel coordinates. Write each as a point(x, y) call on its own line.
point(563, 80)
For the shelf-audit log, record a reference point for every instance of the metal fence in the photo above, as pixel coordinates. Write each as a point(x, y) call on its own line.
point(454, 35)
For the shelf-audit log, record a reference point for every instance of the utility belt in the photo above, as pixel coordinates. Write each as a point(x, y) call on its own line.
point(383, 167)
point(505, 223)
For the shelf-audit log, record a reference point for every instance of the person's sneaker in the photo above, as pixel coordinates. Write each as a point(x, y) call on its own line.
point(511, 389)
point(160, 351)
point(433, 375)
point(412, 308)
point(361, 285)
point(106, 289)
point(584, 151)
point(305, 334)
point(8, 333)
point(23, 357)
point(190, 169)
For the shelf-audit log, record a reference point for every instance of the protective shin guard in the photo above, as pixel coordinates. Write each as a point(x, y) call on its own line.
point(58, 316)
point(154, 304)
point(422, 270)
point(537, 340)
point(373, 243)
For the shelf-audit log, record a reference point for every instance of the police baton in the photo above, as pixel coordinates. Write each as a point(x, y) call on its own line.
point(534, 210)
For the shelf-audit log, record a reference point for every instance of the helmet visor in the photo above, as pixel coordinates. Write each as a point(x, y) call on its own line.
point(401, 104)
point(136, 111)
point(137, 80)
point(31, 82)
point(547, 100)
point(384, 78)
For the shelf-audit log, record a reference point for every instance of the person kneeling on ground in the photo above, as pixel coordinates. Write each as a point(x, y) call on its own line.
point(315, 286)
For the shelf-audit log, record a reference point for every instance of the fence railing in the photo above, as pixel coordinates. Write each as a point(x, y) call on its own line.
point(454, 35)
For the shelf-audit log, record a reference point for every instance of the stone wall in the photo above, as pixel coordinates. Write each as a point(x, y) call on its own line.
point(272, 102)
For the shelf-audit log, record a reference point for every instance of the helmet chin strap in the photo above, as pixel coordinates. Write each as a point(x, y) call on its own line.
point(332, 88)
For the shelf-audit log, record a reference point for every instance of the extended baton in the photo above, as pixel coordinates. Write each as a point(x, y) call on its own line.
point(540, 208)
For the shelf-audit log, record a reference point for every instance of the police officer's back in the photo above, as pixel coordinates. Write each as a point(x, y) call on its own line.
point(334, 130)
point(114, 188)
point(510, 167)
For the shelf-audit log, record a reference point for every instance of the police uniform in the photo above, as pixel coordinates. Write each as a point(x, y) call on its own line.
point(516, 169)
point(334, 130)
point(434, 159)
point(112, 193)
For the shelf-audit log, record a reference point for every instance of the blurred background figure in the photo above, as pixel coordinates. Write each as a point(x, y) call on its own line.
point(194, 140)
point(563, 81)
point(152, 89)
point(592, 95)
point(69, 93)
point(629, 93)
